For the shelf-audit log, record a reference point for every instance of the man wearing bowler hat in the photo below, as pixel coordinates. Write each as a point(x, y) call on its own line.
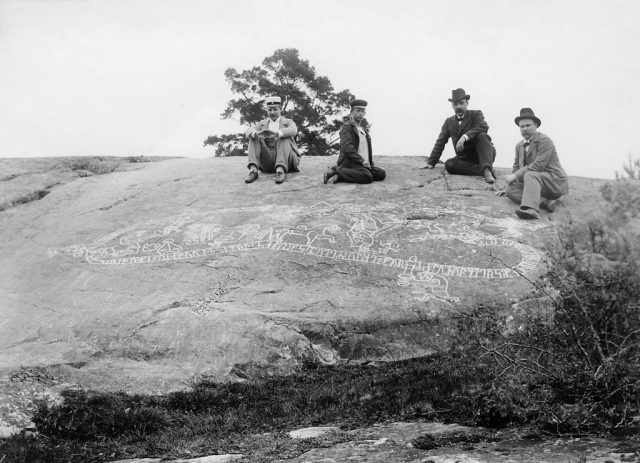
point(538, 179)
point(467, 129)
point(355, 162)
point(271, 144)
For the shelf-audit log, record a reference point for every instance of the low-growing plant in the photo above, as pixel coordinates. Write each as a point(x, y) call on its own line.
point(616, 233)
point(95, 165)
point(577, 373)
point(135, 159)
point(89, 415)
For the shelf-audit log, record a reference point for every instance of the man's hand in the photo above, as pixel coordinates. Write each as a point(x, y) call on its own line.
point(266, 133)
point(510, 179)
point(501, 193)
point(366, 164)
point(460, 144)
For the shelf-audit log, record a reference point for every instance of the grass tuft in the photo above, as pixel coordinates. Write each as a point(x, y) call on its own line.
point(95, 165)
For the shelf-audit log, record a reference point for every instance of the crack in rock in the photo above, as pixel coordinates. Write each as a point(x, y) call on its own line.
point(33, 196)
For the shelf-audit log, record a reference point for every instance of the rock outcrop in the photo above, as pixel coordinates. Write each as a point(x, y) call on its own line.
point(142, 279)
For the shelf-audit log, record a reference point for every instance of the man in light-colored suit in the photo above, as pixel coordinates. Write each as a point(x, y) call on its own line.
point(271, 144)
point(538, 179)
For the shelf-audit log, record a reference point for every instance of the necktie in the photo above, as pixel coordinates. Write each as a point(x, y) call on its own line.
point(460, 120)
point(526, 146)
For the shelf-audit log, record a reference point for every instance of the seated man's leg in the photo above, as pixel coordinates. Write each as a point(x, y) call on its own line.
point(253, 153)
point(532, 189)
point(357, 174)
point(514, 192)
point(261, 156)
point(286, 156)
point(458, 166)
point(485, 151)
point(552, 190)
point(539, 185)
point(378, 174)
point(294, 161)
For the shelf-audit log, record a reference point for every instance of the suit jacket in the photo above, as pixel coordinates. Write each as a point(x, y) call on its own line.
point(472, 124)
point(542, 157)
point(287, 126)
point(349, 144)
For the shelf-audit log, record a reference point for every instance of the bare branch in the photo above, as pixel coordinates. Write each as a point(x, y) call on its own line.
point(514, 269)
point(517, 362)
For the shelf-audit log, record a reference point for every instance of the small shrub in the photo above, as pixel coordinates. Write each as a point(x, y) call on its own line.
point(623, 196)
point(631, 168)
point(617, 233)
point(136, 159)
point(96, 165)
point(580, 372)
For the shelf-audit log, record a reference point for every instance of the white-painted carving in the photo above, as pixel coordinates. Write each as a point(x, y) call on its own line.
point(346, 232)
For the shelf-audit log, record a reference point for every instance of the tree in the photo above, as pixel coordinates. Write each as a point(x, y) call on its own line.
point(308, 99)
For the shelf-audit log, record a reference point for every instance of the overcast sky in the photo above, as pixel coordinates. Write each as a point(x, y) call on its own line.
point(146, 77)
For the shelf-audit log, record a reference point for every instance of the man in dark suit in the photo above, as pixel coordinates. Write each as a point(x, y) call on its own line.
point(355, 162)
point(467, 129)
point(271, 144)
point(538, 179)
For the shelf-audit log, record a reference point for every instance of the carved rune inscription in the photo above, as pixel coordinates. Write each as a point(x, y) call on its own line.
point(346, 232)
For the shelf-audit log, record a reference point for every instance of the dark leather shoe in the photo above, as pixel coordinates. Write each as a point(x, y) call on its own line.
point(280, 177)
point(327, 175)
point(527, 214)
point(488, 176)
point(252, 177)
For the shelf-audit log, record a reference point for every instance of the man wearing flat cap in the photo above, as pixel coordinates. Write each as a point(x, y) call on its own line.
point(271, 144)
point(538, 179)
point(355, 162)
point(467, 129)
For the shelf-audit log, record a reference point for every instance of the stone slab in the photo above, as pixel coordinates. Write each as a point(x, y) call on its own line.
point(308, 433)
point(142, 279)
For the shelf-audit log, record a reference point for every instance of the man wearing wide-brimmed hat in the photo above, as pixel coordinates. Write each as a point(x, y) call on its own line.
point(538, 179)
point(355, 162)
point(467, 129)
point(271, 144)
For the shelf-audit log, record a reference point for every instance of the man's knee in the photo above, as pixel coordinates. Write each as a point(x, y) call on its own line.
point(531, 177)
point(449, 165)
point(365, 177)
point(514, 193)
point(484, 146)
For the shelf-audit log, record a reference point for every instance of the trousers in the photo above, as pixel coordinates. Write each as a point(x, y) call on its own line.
point(267, 154)
point(537, 186)
point(360, 174)
point(474, 158)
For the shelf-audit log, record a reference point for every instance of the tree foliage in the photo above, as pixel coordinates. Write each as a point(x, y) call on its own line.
point(631, 168)
point(308, 99)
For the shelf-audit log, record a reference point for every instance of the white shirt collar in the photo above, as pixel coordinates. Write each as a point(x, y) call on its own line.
point(275, 123)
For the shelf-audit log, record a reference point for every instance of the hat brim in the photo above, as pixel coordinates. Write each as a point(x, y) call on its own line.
point(532, 118)
point(466, 97)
